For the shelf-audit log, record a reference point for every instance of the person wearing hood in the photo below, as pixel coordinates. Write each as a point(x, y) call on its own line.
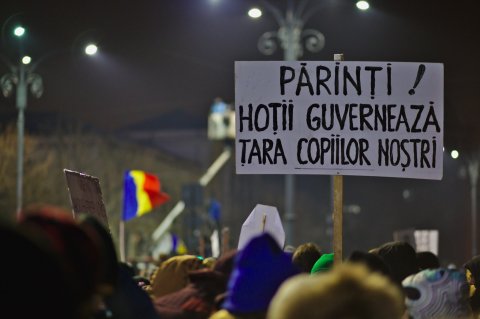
point(400, 258)
point(437, 293)
point(260, 268)
point(472, 269)
point(172, 275)
point(198, 299)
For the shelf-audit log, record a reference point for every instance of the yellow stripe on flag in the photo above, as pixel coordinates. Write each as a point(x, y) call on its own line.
point(144, 204)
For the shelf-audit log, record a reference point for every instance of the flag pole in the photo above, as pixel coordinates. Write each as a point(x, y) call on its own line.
point(121, 239)
point(225, 240)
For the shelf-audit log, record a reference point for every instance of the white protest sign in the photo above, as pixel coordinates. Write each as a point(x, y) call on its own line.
point(262, 219)
point(421, 240)
point(348, 118)
point(86, 195)
point(427, 240)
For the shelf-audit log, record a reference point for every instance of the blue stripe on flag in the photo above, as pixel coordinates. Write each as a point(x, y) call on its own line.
point(130, 204)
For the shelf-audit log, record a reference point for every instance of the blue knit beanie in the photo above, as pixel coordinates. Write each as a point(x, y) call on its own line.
point(260, 268)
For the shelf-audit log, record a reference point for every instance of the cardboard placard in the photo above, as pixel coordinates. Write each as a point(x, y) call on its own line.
point(86, 195)
point(339, 118)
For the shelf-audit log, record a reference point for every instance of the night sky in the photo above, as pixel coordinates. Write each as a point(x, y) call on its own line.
point(163, 57)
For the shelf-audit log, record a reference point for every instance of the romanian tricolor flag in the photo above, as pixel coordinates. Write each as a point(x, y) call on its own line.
point(142, 192)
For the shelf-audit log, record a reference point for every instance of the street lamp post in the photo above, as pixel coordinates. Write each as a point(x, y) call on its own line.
point(22, 77)
point(293, 38)
point(21, 102)
point(472, 167)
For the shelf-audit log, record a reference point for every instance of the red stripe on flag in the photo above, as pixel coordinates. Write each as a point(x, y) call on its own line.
point(153, 188)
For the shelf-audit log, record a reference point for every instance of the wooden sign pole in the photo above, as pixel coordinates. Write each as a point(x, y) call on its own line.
point(338, 207)
point(338, 218)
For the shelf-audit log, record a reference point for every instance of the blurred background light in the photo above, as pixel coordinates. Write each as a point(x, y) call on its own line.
point(91, 49)
point(19, 31)
point(363, 5)
point(255, 13)
point(26, 59)
point(454, 154)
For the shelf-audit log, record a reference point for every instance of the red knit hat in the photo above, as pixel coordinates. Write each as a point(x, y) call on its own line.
point(67, 240)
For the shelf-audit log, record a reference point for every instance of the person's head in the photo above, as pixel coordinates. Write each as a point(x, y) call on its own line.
point(427, 260)
point(172, 275)
point(371, 261)
point(472, 268)
point(213, 281)
point(260, 268)
point(199, 298)
point(346, 291)
point(34, 281)
point(437, 293)
point(401, 258)
point(472, 272)
point(305, 256)
point(71, 244)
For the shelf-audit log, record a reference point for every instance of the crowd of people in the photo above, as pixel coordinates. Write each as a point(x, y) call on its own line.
point(56, 267)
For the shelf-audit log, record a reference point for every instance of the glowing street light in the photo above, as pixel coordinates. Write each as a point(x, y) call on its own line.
point(26, 59)
point(19, 31)
point(255, 13)
point(454, 154)
point(91, 49)
point(363, 5)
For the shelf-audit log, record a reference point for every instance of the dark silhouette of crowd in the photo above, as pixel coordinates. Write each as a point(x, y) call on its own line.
point(57, 266)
